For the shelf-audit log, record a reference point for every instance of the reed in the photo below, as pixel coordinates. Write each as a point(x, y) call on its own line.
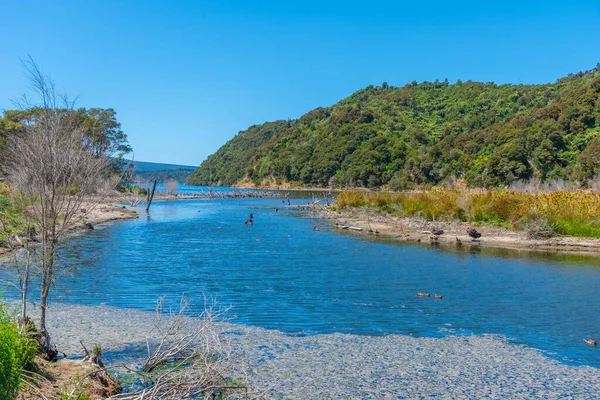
point(571, 213)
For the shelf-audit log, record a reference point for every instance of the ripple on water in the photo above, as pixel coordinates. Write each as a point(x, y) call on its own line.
point(297, 280)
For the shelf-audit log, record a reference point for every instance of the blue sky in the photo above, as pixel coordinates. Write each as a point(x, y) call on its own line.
point(186, 76)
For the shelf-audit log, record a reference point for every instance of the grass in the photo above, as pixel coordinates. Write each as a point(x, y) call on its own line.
point(570, 213)
point(16, 353)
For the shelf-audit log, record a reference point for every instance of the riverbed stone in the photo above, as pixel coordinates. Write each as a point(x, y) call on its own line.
point(348, 366)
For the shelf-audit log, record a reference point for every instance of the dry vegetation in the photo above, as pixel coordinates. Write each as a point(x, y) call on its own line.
point(569, 213)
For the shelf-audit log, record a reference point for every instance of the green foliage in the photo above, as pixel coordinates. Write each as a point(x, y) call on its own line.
point(78, 394)
point(487, 134)
point(11, 217)
point(102, 130)
point(16, 352)
point(134, 189)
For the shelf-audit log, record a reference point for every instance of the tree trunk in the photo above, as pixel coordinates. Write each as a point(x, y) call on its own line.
point(151, 196)
point(47, 274)
point(24, 290)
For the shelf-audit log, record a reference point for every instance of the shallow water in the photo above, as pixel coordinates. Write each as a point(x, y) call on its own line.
point(280, 274)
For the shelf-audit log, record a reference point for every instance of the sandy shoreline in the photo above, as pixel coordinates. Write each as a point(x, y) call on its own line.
point(105, 211)
point(455, 233)
point(346, 366)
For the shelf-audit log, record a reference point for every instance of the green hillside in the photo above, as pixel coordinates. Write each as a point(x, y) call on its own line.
point(486, 134)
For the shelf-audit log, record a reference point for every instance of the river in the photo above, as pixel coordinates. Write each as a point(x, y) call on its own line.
point(282, 275)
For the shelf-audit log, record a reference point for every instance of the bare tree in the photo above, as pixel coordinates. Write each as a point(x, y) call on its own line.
point(171, 186)
point(189, 360)
point(54, 172)
point(22, 260)
point(188, 357)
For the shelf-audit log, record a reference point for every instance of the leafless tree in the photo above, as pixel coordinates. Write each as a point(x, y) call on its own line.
point(171, 186)
point(24, 260)
point(594, 183)
point(189, 359)
point(54, 172)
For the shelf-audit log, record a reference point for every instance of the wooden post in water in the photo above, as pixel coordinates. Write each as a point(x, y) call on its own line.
point(150, 196)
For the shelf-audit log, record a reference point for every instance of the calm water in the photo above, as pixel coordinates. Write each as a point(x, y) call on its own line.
point(280, 274)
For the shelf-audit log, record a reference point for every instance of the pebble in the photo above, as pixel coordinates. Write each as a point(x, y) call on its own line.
point(347, 366)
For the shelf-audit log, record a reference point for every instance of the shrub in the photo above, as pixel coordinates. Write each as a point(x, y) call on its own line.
point(537, 226)
point(541, 215)
point(16, 352)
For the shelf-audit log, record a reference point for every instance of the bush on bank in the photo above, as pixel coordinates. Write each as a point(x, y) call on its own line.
point(571, 213)
point(16, 353)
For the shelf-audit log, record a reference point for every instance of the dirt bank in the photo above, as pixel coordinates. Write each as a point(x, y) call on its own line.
point(91, 213)
point(53, 380)
point(455, 233)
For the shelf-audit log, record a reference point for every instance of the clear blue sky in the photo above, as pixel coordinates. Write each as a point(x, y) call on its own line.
point(186, 76)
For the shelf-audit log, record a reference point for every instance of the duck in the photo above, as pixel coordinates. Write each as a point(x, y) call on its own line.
point(473, 233)
point(591, 342)
point(437, 296)
point(436, 234)
point(315, 228)
point(458, 241)
point(419, 294)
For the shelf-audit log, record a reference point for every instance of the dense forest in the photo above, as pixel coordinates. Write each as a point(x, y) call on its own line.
point(426, 133)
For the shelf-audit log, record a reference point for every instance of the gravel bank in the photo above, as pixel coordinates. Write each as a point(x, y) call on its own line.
point(350, 366)
point(412, 229)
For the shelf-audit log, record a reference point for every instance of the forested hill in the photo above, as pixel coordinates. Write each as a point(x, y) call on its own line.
point(484, 133)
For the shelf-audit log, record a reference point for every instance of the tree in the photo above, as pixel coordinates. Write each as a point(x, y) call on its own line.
point(103, 132)
point(55, 170)
point(588, 162)
point(171, 186)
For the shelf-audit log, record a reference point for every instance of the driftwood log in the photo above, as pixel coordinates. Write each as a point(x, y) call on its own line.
point(150, 196)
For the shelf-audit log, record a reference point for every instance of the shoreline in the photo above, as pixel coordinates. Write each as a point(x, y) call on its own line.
point(343, 365)
point(418, 230)
point(104, 211)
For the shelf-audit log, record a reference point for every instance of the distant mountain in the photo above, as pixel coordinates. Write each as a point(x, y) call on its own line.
point(149, 171)
point(145, 166)
point(426, 133)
